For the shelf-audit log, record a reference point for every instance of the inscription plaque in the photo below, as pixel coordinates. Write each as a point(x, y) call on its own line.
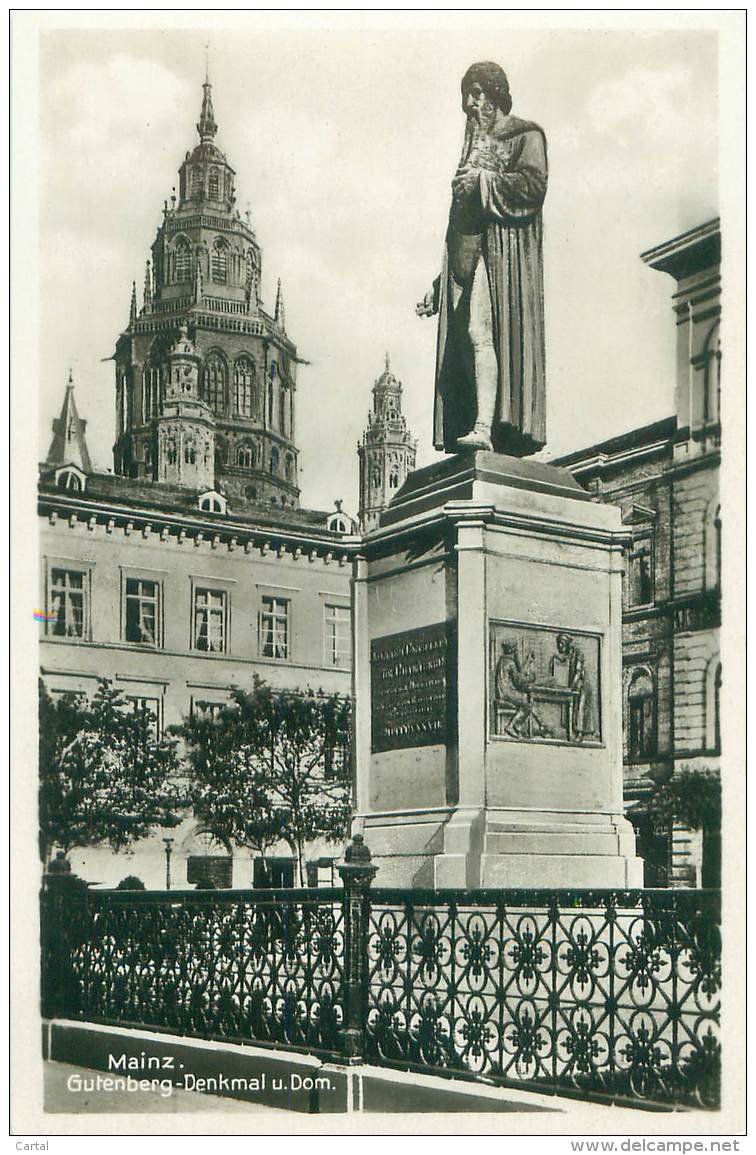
point(410, 677)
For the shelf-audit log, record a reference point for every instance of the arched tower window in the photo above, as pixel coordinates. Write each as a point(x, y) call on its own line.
point(213, 185)
point(182, 260)
point(190, 454)
point(274, 460)
point(198, 183)
point(215, 383)
point(249, 270)
point(246, 456)
point(289, 466)
point(220, 261)
point(282, 396)
point(394, 477)
point(151, 399)
point(245, 399)
point(641, 716)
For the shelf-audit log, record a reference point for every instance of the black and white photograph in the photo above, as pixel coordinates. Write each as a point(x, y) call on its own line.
point(377, 390)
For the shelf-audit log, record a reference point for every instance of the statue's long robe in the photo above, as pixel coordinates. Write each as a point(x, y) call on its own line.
point(505, 217)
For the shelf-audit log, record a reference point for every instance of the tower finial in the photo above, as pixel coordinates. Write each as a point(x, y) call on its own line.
point(207, 62)
point(388, 363)
point(280, 316)
point(70, 379)
point(206, 126)
point(147, 286)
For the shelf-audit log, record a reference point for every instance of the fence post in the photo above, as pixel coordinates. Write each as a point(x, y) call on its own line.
point(63, 899)
point(356, 875)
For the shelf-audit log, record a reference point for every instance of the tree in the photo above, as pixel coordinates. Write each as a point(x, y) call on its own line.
point(691, 798)
point(272, 766)
point(104, 775)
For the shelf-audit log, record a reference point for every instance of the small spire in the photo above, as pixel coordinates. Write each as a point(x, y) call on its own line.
point(147, 286)
point(280, 316)
point(206, 126)
point(133, 309)
point(69, 444)
point(388, 363)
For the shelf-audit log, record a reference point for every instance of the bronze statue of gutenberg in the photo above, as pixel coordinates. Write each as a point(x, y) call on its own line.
point(490, 366)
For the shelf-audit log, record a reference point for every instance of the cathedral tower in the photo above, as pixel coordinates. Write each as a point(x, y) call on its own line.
point(201, 314)
point(387, 450)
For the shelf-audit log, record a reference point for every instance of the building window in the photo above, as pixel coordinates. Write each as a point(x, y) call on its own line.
point(152, 706)
point(206, 709)
point(394, 477)
point(274, 628)
point(209, 634)
point(244, 388)
point(713, 547)
point(182, 261)
point(67, 479)
point(68, 603)
point(215, 384)
point(641, 592)
point(336, 760)
point(190, 455)
point(713, 691)
point(142, 611)
point(151, 392)
point(641, 729)
point(338, 645)
point(246, 456)
point(282, 411)
point(250, 270)
point(213, 185)
point(274, 460)
point(220, 261)
point(198, 183)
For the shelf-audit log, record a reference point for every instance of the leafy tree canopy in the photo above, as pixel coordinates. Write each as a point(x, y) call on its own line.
point(104, 775)
point(692, 798)
point(272, 766)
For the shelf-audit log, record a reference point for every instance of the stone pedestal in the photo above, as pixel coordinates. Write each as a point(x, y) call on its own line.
point(488, 657)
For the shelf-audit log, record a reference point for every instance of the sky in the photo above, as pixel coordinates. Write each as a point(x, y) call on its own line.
point(344, 144)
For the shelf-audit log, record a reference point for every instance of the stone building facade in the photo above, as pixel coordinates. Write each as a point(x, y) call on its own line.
point(386, 452)
point(665, 477)
point(192, 568)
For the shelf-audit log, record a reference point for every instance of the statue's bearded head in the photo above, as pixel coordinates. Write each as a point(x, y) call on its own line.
point(485, 89)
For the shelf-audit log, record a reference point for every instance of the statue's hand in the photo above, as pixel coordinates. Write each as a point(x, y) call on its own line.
point(428, 306)
point(465, 180)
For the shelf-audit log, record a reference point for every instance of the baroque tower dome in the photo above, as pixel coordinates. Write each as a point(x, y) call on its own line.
point(204, 274)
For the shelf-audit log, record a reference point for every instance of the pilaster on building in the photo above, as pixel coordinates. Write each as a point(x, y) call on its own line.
point(234, 428)
point(387, 451)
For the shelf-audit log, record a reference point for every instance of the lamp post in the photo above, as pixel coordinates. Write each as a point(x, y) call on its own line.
point(168, 842)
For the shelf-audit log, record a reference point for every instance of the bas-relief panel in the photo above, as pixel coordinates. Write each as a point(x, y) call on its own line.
point(544, 684)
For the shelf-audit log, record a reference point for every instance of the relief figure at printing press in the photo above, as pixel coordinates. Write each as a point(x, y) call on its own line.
point(543, 686)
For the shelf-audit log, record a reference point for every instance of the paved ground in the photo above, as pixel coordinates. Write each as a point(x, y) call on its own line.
point(59, 1099)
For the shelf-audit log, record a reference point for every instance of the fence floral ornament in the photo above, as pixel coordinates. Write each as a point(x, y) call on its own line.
point(594, 994)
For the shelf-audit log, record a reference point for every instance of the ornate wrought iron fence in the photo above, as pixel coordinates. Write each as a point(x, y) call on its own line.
point(595, 993)
point(243, 965)
point(605, 994)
